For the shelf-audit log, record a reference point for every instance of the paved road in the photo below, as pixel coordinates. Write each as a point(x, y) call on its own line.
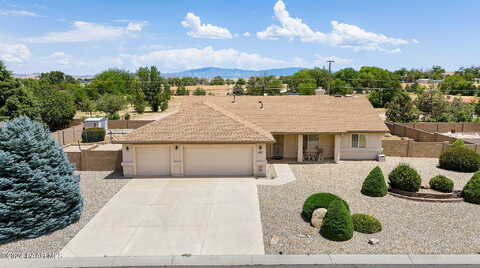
point(151, 217)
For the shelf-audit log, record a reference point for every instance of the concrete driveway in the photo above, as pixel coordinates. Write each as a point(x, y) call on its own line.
point(151, 217)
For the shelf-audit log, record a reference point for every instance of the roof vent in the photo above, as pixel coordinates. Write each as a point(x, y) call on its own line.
point(261, 105)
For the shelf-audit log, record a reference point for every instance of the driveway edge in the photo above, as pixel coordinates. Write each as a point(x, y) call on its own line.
point(356, 260)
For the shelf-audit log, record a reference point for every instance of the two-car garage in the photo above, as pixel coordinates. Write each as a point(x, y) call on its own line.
point(192, 160)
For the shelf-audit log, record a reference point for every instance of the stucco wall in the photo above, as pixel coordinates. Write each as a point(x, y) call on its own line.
point(373, 148)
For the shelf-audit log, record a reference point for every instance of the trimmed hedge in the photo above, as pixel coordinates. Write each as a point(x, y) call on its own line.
point(93, 135)
point(460, 159)
point(319, 200)
point(471, 190)
point(337, 224)
point(405, 178)
point(366, 224)
point(374, 185)
point(442, 184)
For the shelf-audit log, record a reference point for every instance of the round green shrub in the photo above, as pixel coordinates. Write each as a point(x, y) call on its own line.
point(471, 190)
point(114, 116)
point(374, 185)
point(366, 224)
point(39, 192)
point(319, 200)
point(442, 184)
point(337, 224)
point(93, 135)
point(460, 159)
point(405, 178)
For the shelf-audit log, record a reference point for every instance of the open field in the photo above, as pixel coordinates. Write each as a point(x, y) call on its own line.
point(408, 226)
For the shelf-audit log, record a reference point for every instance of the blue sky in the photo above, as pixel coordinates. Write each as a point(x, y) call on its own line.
point(85, 37)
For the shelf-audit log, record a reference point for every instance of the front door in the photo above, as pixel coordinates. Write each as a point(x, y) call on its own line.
point(278, 147)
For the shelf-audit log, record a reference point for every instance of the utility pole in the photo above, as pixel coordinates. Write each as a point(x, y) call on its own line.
point(330, 65)
point(330, 72)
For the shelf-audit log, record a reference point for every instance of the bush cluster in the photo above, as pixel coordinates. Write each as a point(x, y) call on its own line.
point(471, 190)
point(337, 224)
point(442, 184)
point(366, 224)
point(93, 135)
point(459, 158)
point(405, 178)
point(319, 200)
point(374, 185)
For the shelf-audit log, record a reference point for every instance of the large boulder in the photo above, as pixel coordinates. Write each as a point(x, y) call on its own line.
point(317, 217)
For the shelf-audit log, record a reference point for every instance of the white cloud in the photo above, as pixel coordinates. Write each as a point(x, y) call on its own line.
point(189, 58)
point(19, 13)
point(14, 52)
point(342, 35)
point(246, 34)
point(87, 31)
point(136, 26)
point(61, 58)
point(199, 30)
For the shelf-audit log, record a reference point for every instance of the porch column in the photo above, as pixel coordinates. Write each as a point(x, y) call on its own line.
point(336, 152)
point(300, 148)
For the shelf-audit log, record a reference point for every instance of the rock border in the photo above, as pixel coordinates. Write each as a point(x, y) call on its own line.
point(427, 197)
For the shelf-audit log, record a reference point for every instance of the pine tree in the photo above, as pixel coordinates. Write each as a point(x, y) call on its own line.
point(38, 191)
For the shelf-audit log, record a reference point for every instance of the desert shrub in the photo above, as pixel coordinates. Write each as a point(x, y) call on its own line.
point(93, 135)
point(405, 178)
point(460, 159)
point(471, 190)
point(39, 192)
point(459, 143)
point(319, 200)
point(164, 106)
point(114, 116)
point(442, 184)
point(366, 224)
point(374, 185)
point(337, 224)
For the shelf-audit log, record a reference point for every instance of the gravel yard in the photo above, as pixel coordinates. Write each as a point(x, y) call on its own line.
point(97, 188)
point(408, 226)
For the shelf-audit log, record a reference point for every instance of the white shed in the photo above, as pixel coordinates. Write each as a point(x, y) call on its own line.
point(96, 122)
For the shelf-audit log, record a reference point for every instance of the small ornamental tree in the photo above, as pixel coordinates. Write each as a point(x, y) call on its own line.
point(337, 224)
point(374, 185)
point(38, 191)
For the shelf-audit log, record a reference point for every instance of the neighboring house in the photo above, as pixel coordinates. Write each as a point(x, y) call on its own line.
point(217, 136)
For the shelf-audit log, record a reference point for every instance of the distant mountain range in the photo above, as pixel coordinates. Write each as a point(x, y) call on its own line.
point(208, 72)
point(211, 72)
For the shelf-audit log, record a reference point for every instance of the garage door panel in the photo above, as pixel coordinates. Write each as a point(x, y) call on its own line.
point(218, 161)
point(153, 161)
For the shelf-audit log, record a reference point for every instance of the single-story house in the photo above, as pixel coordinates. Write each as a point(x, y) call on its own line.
point(227, 136)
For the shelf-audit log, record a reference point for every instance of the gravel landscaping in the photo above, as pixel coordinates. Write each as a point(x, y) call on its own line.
point(97, 188)
point(409, 227)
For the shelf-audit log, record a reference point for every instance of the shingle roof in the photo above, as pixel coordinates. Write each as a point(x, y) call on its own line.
point(218, 120)
point(305, 114)
point(198, 122)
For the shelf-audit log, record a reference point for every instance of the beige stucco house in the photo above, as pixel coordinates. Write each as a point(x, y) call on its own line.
point(222, 136)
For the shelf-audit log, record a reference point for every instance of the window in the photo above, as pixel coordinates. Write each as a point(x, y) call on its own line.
point(359, 141)
point(310, 142)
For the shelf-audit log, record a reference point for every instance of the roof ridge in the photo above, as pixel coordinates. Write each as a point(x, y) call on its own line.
point(239, 119)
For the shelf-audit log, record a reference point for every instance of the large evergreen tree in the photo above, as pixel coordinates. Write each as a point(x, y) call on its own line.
point(38, 191)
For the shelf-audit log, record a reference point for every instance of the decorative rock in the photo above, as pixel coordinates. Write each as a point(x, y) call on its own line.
point(373, 241)
point(317, 217)
point(275, 239)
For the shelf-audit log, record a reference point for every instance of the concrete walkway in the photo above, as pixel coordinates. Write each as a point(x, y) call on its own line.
point(152, 217)
point(283, 173)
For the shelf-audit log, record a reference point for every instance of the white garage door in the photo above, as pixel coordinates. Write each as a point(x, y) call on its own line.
point(153, 161)
point(218, 160)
